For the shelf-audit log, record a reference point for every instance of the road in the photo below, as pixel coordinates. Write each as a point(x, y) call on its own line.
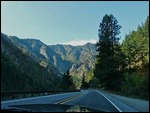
point(86, 98)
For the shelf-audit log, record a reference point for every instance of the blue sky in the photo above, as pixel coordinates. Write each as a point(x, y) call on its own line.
point(72, 22)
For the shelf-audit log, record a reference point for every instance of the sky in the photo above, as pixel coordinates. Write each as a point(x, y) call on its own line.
point(73, 22)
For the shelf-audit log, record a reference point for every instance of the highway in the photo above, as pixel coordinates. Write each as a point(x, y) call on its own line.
point(86, 98)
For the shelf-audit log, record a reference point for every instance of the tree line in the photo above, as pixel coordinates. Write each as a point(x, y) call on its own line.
point(120, 67)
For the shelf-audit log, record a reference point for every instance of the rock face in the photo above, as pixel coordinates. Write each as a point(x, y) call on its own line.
point(78, 59)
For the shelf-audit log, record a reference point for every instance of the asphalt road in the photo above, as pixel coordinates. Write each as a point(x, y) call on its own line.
point(86, 98)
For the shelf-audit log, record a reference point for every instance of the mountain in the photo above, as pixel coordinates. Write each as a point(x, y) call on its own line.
point(78, 59)
point(21, 70)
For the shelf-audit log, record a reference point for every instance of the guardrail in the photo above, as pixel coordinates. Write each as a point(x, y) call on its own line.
point(23, 94)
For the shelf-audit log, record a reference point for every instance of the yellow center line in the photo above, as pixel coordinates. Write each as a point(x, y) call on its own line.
point(71, 99)
point(68, 99)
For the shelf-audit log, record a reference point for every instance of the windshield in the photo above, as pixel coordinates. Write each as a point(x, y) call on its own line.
point(75, 56)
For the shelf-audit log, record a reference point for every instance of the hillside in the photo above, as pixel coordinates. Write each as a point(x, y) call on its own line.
point(23, 71)
point(78, 59)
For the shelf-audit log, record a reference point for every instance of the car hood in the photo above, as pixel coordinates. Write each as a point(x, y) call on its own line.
point(49, 108)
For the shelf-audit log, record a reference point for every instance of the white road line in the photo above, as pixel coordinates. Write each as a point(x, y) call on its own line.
point(110, 101)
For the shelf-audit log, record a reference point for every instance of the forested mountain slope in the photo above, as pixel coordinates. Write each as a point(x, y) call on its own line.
point(63, 57)
point(23, 71)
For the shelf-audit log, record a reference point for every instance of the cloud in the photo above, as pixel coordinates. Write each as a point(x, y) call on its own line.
point(79, 42)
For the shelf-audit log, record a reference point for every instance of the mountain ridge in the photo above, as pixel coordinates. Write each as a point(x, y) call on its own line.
point(22, 71)
point(63, 57)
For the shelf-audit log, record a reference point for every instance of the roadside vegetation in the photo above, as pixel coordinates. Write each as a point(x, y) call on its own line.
point(122, 67)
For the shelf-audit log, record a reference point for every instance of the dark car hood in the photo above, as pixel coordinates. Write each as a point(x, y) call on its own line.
point(49, 108)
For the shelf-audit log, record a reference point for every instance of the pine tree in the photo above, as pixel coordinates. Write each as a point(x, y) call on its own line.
point(136, 46)
point(67, 81)
point(109, 55)
point(84, 83)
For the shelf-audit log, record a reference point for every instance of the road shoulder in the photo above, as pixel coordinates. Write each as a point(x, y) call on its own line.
point(141, 105)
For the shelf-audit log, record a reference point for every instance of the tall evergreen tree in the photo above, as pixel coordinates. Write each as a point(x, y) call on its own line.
point(109, 55)
point(136, 46)
point(136, 49)
point(67, 81)
point(84, 83)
